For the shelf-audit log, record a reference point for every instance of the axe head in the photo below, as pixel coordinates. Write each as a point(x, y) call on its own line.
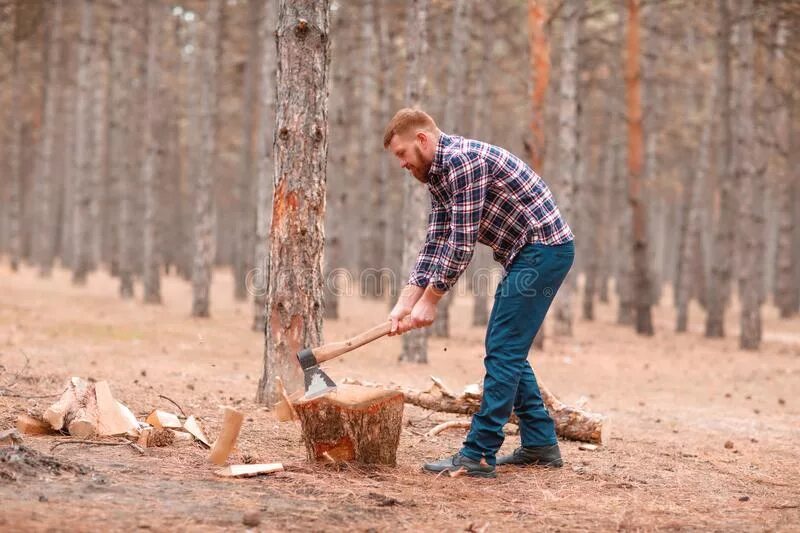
point(317, 382)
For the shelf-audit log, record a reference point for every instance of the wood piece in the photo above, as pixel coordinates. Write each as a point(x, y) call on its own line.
point(130, 417)
point(83, 422)
point(352, 423)
point(451, 424)
point(110, 419)
point(231, 424)
point(74, 391)
point(193, 427)
point(162, 419)
point(28, 425)
point(249, 470)
point(144, 437)
point(284, 410)
point(571, 423)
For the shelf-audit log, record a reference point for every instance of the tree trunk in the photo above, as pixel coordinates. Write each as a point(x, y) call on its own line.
point(415, 198)
point(245, 217)
point(14, 152)
point(568, 150)
point(294, 298)
point(152, 156)
point(45, 247)
point(83, 151)
point(100, 156)
point(642, 297)
point(204, 208)
point(750, 281)
point(721, 269)
point(264, 162)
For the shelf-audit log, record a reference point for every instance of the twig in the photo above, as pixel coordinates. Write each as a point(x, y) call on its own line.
point(7, 394)
point(173, 402)
point(448, 425)
point(99, 443)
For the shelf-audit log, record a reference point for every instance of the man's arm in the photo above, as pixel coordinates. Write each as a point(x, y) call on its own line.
point(419, 278)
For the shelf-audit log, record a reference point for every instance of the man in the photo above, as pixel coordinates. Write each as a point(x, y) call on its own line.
point(483, 193)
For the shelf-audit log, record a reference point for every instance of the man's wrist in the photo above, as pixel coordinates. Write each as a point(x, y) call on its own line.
point(432, 295)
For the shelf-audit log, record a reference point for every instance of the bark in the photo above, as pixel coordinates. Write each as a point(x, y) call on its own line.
point(642, 297)
point(152, 157)
point(382, 199)
point(721, 269)
point(294, 298)
point(264, 162)
point(539, 57)
point(750, 280)
point(353, 423)
point(100, 157)
point(204, 216)
point(45, 247)
point(83, 151)
point(415, 196)
point(246, 219)
point(568, 151)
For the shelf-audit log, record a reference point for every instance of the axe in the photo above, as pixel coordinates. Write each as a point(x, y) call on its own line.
point(318, 382)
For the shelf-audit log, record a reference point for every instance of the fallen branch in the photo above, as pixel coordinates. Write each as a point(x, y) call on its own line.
point(99, 443)
point(173, 402)
point(571, 423)
point(462, 424)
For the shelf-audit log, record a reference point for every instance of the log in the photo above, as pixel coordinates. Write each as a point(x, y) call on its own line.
point(110, 417)
point(352, 423)
point(83, 421)
point(224, 444)
point(28, 425)
point(74, 391)
point(571, 423)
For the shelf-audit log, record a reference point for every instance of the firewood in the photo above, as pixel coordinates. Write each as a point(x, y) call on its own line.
point(74, 391)
point(571, 423)
point(28, 425)
point(352, 423)
point(249, 470)
point(193, 427)
point(83, 422)
point(110, 419)
point(224, 444)
point(162, 419)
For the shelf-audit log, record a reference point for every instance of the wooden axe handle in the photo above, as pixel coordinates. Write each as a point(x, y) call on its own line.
point(335, 349)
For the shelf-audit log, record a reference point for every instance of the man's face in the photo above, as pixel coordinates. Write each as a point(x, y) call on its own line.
point(408, 148)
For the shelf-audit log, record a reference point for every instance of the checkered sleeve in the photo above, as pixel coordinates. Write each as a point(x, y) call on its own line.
point(438, 231)
point(468, 180)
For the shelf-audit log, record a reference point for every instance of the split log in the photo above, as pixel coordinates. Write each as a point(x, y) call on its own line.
point(28, 425)
point(224, 444)
point(83, 421)
point(571, 423)
point(74, 391)
point(110, 417)
point(193, 426)
point(162, 419)
point(352, 423)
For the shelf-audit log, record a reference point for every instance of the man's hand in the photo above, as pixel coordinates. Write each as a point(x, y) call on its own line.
point(404, 307)
point(423, 314)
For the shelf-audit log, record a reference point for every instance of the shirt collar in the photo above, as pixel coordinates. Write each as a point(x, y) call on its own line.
point(438, 155)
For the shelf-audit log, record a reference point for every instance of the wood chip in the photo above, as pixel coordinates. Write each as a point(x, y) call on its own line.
point(249, 470)
point(162, 419)
point(588, 447)
point(193, 427)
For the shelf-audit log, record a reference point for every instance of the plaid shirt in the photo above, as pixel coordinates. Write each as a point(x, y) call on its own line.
point(482, 193)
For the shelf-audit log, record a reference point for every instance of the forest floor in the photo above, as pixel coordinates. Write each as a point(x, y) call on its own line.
point(674, 401)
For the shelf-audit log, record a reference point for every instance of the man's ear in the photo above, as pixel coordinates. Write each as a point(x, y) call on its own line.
point(422, 137)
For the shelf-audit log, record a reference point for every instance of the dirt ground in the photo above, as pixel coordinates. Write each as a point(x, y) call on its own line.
point(674, 401)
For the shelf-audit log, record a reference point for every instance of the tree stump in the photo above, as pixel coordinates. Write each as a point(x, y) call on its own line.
point(352, 423)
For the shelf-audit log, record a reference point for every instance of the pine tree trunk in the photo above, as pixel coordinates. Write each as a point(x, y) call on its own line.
point(264, 161)
point(294, 298)
point(642, 295)
point(245, 217)
point(45, 246)
point(100, 156)
point(415, 197)
point(721, 269)
point(567, 150)
point(83, 151)
point(204, 187)
point(14, 152)
point(152, 157)
point(750, 280)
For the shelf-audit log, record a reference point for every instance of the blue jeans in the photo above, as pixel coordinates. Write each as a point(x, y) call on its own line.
point(520, 305)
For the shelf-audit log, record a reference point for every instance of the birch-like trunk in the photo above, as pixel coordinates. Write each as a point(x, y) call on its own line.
point(750, 280)
point(294, 297)
point(415, 196)
point(567, 167)
point(264, 162)
point(152, 156)
point(204, 185)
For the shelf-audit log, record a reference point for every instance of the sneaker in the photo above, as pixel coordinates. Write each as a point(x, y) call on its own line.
point(549, 456)
point(461, 462)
